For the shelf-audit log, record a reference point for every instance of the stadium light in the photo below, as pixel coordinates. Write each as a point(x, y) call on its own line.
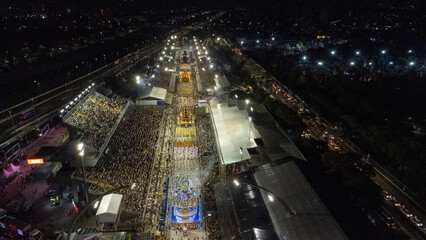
point(273, 39)
point(412, 63)
point(357, 52)
point(247, 101)
point(333, 52)
point(383, 51)
point(304, 57)
point(410, 51)
point(320, 63)
point(270, 197)
point(352, 63)
point(257, 41)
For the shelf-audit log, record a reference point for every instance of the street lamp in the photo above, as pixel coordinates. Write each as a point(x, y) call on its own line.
point(251, 122)
point(357, 53)
point(80, 148)
point(333, 52)
point(320, 63)
point(412, 63)
point(352, 63)
point(38, 84)
point(383, 51)
point(247, 101)
point(304, 58)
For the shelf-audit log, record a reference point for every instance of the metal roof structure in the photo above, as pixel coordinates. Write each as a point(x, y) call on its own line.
point(154, 93)
point(312, 219)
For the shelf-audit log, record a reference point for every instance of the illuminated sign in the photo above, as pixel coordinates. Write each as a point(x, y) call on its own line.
point(75, 207)
point(35, 161)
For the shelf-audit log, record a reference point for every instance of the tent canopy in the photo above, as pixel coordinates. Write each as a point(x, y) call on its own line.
point(109, 207)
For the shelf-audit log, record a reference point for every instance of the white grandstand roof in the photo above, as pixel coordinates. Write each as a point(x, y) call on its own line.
point(232, 127)
point(153, 93)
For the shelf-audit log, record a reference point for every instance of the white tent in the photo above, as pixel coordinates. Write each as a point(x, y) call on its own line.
point(109, 208)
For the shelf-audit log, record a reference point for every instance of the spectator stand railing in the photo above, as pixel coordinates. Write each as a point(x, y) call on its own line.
point(112, 131)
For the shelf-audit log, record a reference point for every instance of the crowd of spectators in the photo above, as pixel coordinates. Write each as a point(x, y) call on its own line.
point(95, 116)
point(206, 138)
point(129, 156)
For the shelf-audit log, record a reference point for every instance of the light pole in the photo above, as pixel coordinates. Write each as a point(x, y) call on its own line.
point(271, 195)
point(80, 148)
point(138, 81)
point(11, 118)
point(249, 129)
point(241, 153)
point(38, 84)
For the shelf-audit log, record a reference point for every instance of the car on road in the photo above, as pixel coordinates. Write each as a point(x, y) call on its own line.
point(27, 206)
point(416, 221)
point(50, 192)
point(13, 206)
point(406, 212)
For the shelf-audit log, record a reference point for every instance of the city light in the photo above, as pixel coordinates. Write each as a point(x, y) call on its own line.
point(320, 63)
point(236, 183)
point(80, 146)
point(304, 57)
point(96, 205)
point(357, 52)
point(247, 101)
point(161, 58)
point(412, 63)
point(273, 39)
point(333, 52)
point(410, 51)
point(257, 41)
point(383, 51)
point(31, 161)
point(218, 39)
point(242, 42)
point(352, 63)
